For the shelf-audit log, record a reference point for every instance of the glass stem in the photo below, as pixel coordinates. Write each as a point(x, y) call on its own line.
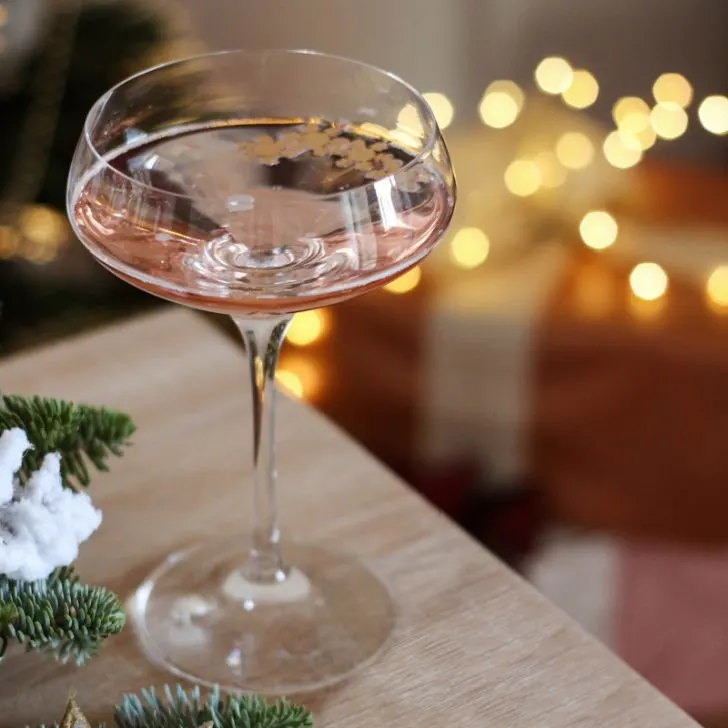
point(263, 339)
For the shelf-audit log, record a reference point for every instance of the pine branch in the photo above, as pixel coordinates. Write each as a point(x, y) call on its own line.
point(80, 433)
point(58, 616)
point(186, 709)
point(181, 708)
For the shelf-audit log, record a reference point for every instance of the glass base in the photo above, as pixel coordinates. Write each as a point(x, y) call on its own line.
point(198, 617)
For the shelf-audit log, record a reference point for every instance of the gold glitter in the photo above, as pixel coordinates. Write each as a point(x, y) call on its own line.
point(374, 159)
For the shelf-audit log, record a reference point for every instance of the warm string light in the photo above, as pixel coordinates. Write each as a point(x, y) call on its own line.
point(501, 104)
point(553, 174)
point(638, 126)
point(621, 150)
point(291, 382)
point(308, 327)
point(469, 248)
point(648, 281)
point(713, 114)
point(522, 177)
point(669, 121)
point(582, 91)
point(442, 108)
point(673, 88)
point(406, 282)
point(574, 150)
point(554, 75)
point(598, 229)
point(717, 287)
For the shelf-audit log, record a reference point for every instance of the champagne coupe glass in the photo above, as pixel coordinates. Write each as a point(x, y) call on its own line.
point(257, 184)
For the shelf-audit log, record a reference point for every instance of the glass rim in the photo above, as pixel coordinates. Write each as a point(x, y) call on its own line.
point(433, 131)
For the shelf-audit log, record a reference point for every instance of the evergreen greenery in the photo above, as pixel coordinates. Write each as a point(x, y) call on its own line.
point(59, 615)
point(181, 708)
point(78, 432)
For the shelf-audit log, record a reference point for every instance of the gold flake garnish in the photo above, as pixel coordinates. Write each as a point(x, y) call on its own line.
point(373, 158)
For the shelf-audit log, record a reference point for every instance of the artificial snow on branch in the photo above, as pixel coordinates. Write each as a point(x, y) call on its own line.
point(45, 448)
point(42, 524)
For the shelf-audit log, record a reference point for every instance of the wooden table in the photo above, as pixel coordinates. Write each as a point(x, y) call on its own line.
point(475, 647)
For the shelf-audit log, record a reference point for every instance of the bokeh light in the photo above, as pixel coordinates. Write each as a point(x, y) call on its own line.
point(554, 75)
point(441, 107)
point(717, 286)
point(522, 177)
point(583, 90)
point(501, 104)
point(648, 281)
point(552, 172)
point(598, 229)
point(713, 114)
point(308, 327)
point(406, 282)
point(574, 150)
point(621, 151)
point(673, 88)
point(631, 114)
point(469, 248)
point(669, 121)
point(290, 381)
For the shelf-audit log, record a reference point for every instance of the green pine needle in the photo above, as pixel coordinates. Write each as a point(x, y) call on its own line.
point(78, 432)
point(180, 708)
point(58, 616)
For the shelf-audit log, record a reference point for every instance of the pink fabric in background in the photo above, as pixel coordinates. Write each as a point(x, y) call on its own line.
point(672, 621)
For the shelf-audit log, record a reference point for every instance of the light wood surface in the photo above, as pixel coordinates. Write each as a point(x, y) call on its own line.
point(475, 646)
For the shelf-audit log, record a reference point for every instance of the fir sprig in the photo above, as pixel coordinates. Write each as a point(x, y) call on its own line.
point(58, 615)
point(79, 432)
point(180, 708)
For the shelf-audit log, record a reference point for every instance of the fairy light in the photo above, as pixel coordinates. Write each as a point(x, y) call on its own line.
point(717, 286)
point(469, 248)
point(522, 177)
point(552, 172)
point(501, 104)
point(574, 150)
point(43, 225)
point(644, 139)
point(409, 125)
point(631, 114)
point(406, 282)
point(290, 382)
point(308, 327)
point(673, 88)
point(554, 75)
point(621, 150)
point(598, 229)
point(442, 108)
point(304, 375)
point(669, 121)
point(583, 90)
point(648, 281)
point(713, 114)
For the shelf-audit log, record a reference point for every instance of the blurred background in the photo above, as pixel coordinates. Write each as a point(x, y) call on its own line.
point(555, 375)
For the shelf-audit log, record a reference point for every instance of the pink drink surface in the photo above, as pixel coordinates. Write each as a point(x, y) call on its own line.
point(263, 217)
